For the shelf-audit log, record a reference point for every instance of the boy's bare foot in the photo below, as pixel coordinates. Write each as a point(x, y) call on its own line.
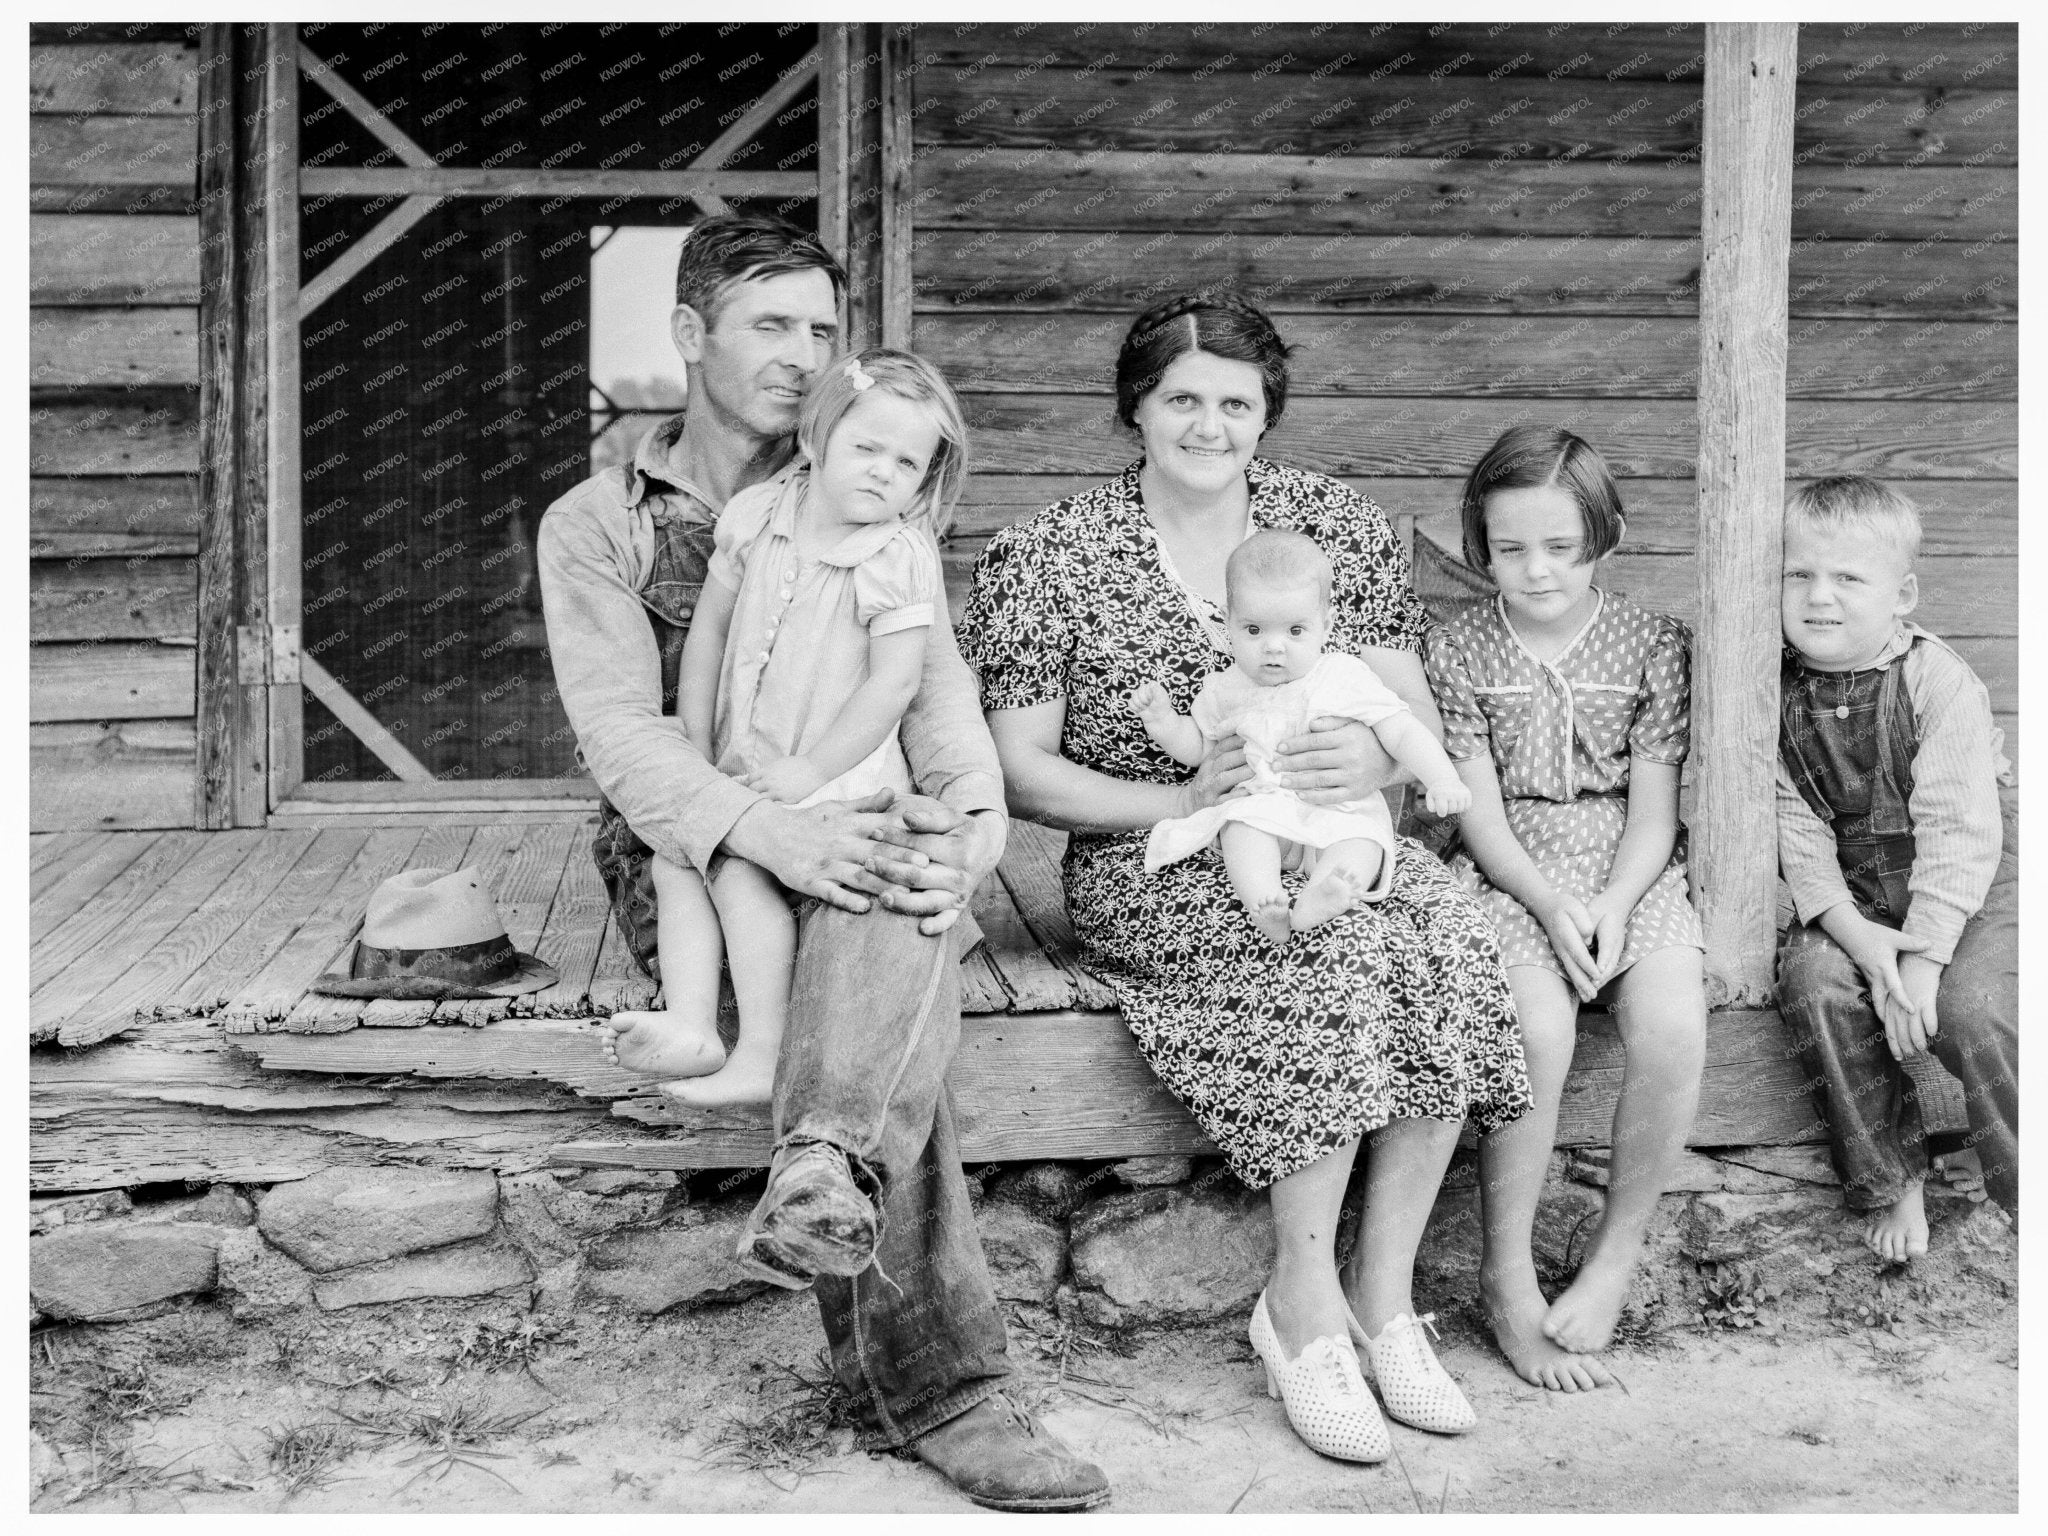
point(662, 1044)
point(1899, 1234)
point(1270, 918)
point(748, 1077)
point(1328, 894)
point(1963, 1172)
point(1582, 1319)
point(1516, 1314)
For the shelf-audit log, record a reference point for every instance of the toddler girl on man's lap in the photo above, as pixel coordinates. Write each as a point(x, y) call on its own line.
point(806, 647)
point(1277, 586)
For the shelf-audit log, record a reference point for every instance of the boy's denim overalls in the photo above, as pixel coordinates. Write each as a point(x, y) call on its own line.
point(1848, 739)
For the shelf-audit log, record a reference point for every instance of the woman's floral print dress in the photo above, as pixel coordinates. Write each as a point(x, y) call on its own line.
point(1394, 1009)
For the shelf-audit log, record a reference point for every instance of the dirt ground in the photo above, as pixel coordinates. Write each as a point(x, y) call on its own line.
point(1853, 1389)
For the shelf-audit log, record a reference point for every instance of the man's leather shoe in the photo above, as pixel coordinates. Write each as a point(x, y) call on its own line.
point(813, 1220)
point(1003, 1458)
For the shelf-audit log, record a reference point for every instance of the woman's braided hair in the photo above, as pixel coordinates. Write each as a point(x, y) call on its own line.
point(1219, 321)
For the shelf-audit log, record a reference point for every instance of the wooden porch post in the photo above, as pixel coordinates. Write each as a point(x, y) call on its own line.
point(248, 726)
point(864, 86)
point(1745, 250)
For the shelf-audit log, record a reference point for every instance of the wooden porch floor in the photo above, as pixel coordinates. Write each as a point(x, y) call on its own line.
point(183, 959)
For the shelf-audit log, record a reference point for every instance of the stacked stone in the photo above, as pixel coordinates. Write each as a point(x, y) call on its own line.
point(1148, 1242)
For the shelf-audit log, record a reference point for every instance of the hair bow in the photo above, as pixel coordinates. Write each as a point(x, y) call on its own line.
point(858, 376)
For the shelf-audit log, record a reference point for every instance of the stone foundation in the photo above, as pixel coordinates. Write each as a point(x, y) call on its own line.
point(1146, 1243)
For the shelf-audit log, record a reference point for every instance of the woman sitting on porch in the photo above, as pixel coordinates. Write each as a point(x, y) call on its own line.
point(1394, 1018)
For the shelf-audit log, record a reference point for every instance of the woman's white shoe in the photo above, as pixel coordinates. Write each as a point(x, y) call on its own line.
point(1413, 1384)
point(1327, 1401)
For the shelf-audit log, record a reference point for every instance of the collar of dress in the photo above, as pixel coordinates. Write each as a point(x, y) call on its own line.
point(859, 545)
point(1129, 530)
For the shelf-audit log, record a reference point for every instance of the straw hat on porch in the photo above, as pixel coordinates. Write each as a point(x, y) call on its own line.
point(433, 934)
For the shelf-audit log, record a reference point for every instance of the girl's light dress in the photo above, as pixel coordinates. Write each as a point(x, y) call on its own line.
point(1231, 703)
point(797, 648)
point(1561, 734)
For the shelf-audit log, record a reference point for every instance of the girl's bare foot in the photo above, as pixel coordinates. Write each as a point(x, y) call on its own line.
point(1516, 1312)
point(662, 1044)
point(1328, 894)
point(1899, 1234)
point(748, 1077)
point(1963, 1172)
point(1582, 1319)
point(1270, 918)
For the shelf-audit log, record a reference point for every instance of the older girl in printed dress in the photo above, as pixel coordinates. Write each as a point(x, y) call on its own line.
point(1565, 708)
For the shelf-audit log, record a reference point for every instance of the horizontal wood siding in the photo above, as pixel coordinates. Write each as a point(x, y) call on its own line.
point(1465, 227)
point(113, 417)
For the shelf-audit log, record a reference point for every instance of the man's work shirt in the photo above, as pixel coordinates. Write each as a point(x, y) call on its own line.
point(598, 551)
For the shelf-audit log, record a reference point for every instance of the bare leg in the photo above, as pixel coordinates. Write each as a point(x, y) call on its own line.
point(1303, 1298)
point(1512, 1163)
point(682, 1039)
point(1344, 873)
point(761, 942)
point(1405, 1162)
point(1253, 859)
point(1662, 1013)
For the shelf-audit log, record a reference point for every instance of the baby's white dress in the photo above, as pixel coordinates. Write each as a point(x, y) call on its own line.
point(1231, 703)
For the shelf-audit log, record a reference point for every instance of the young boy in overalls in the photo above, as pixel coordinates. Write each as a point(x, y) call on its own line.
point(1898, 835)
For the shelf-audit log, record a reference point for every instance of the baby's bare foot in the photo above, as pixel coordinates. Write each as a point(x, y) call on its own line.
point(1329, 894)
point(1516, 1312)
point(1582, 1319)
point(1963, 1172)
point(1898, 1235)
point(662, 1044)
point(748, 1077)
point(1270, 918)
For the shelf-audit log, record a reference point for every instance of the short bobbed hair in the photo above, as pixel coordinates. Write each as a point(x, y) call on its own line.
point(1858, 503)
point(1221, 322)
point(1523, 458)
point(729, 249)
point(1275, 557)
point(908, 377)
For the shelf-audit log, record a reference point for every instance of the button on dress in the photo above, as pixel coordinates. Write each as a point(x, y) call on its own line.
point(797, 648)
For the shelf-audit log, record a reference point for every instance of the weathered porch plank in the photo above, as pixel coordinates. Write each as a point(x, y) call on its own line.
point(95, 865)
point(1031, 870)
point(190, 944)
point(617, 984)
point(574, 933)
point(45, 849)
point(86, 258)
point(165, 506)
point(266, 930)
point(118, 940)
point(125, 892)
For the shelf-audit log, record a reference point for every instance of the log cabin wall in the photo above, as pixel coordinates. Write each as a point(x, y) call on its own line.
point(1462, 227)
point(113, 424)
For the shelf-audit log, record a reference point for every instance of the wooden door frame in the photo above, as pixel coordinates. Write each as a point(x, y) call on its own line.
point(251, 665)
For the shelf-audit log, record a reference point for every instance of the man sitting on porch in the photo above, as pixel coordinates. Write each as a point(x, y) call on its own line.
point(865, 1191)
